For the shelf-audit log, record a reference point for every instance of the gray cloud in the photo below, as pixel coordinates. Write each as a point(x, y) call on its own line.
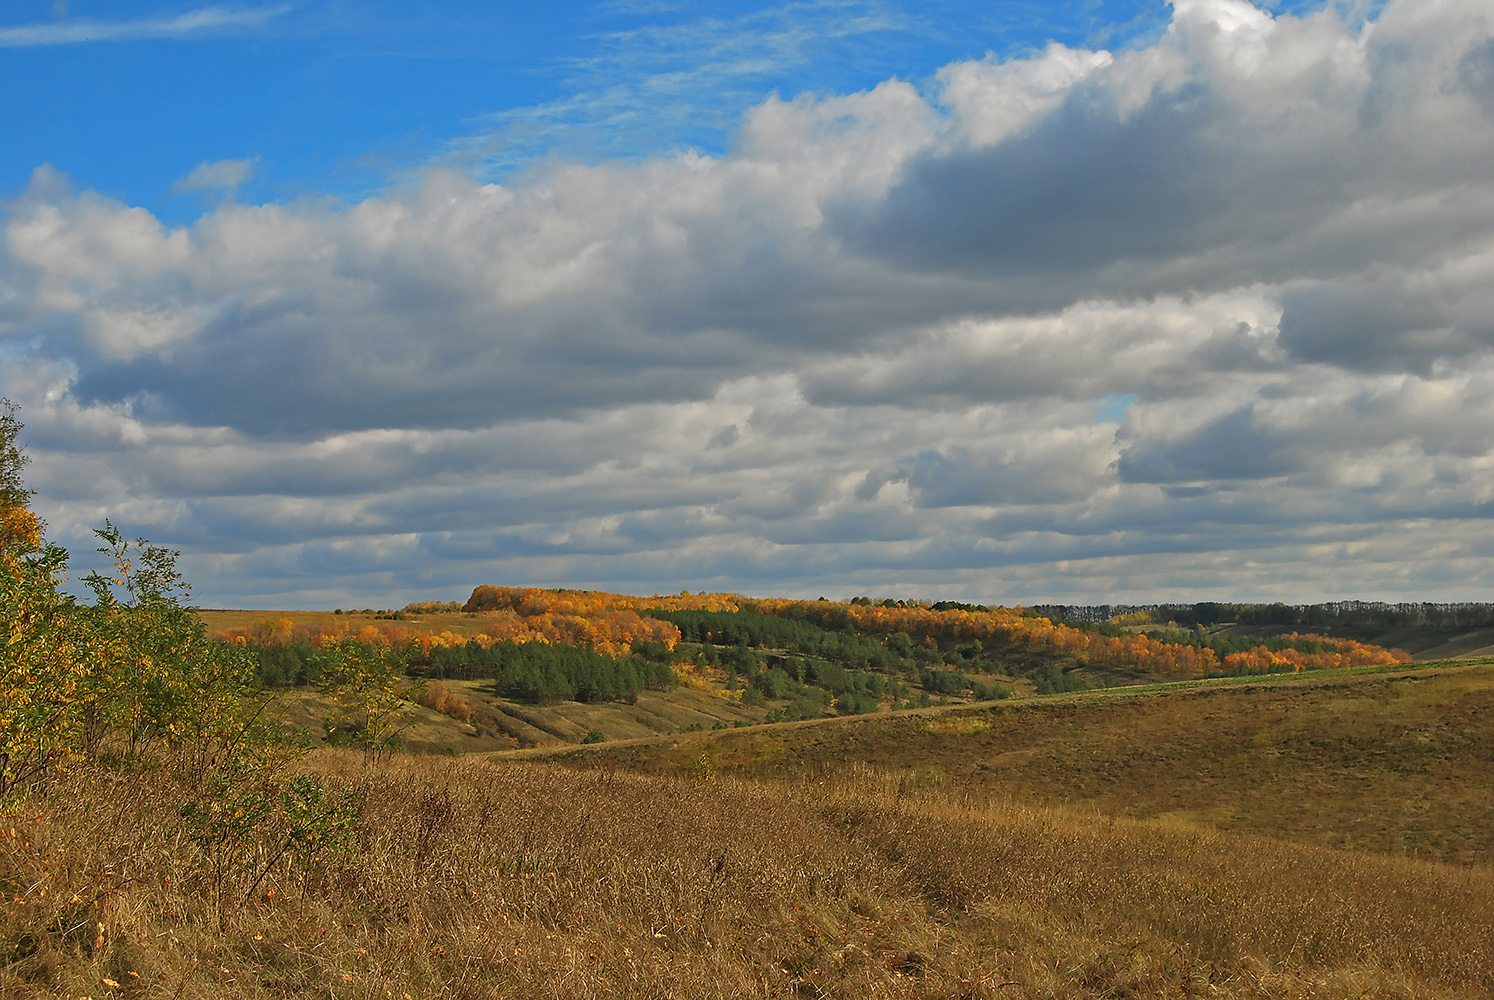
point(1395, 320)
point(1228, 448)
point(877, 347)
point(1476, 74)
point(1217, 158)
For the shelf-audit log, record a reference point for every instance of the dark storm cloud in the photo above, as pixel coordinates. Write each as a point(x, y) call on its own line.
point(1391, 322)
point(1082, 191)
point(1228, 448)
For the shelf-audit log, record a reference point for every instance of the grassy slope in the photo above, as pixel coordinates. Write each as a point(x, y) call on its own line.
point(497, 879)
point(653, 713)
point(1040, 849)
point(503, 724)
point(1395, 762)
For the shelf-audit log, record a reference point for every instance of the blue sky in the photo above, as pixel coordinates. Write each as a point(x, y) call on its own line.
point(340, 99)
point(364, 303)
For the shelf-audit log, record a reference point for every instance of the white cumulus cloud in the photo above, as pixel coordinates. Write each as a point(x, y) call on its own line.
point(875, 347)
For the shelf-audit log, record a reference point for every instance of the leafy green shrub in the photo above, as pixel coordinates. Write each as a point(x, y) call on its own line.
point(248, 817)
point(943, 682)
point(855, 703)
point(1051, 680)
point(133, 676)
point(802, 707)
point(773, 683)
point(994, 692)
point(544, 673)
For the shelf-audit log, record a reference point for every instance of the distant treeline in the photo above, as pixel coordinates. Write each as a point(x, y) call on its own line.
point(746, 629)
point(1333, 613)
point(544, 673)
point(844, 664)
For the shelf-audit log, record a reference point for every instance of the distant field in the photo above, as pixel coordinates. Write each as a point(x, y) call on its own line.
point(704, 703)
point(1397, 762)
point(221, 619)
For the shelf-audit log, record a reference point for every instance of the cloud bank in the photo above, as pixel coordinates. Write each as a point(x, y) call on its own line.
point(1209, 318)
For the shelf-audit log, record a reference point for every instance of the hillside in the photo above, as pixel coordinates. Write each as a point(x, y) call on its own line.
point(492, 879)
point(1181, 841)
point(520, 667)
point(1398, 763)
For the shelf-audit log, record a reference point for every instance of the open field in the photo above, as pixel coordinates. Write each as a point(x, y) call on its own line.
point(1325, 834)
point(1398, 762)
point(484, 878)
point(219, 620)
point(652, 713)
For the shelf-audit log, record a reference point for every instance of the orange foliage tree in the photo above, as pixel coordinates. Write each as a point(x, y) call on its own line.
point(1011, 626)
point(1344, 653)
point(612, 623)
point(1001, 625)
point(608, 623)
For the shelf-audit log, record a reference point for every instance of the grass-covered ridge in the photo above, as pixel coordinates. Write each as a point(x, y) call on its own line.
point(813, 657)
point(1396, 761)
point(498, 880)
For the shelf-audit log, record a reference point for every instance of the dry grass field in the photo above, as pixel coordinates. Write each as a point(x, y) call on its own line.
point(1282, 838)
point(504, 724)
point(1398, 762)
point(481, 878)
point(219, 620)
point(652, 713)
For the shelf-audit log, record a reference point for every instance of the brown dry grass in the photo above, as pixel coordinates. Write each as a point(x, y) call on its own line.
point(475, 879)
point(500, 724)
point(1399, 762)
point(220, 620)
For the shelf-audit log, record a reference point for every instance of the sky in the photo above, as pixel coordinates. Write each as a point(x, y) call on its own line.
point(362, 303)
